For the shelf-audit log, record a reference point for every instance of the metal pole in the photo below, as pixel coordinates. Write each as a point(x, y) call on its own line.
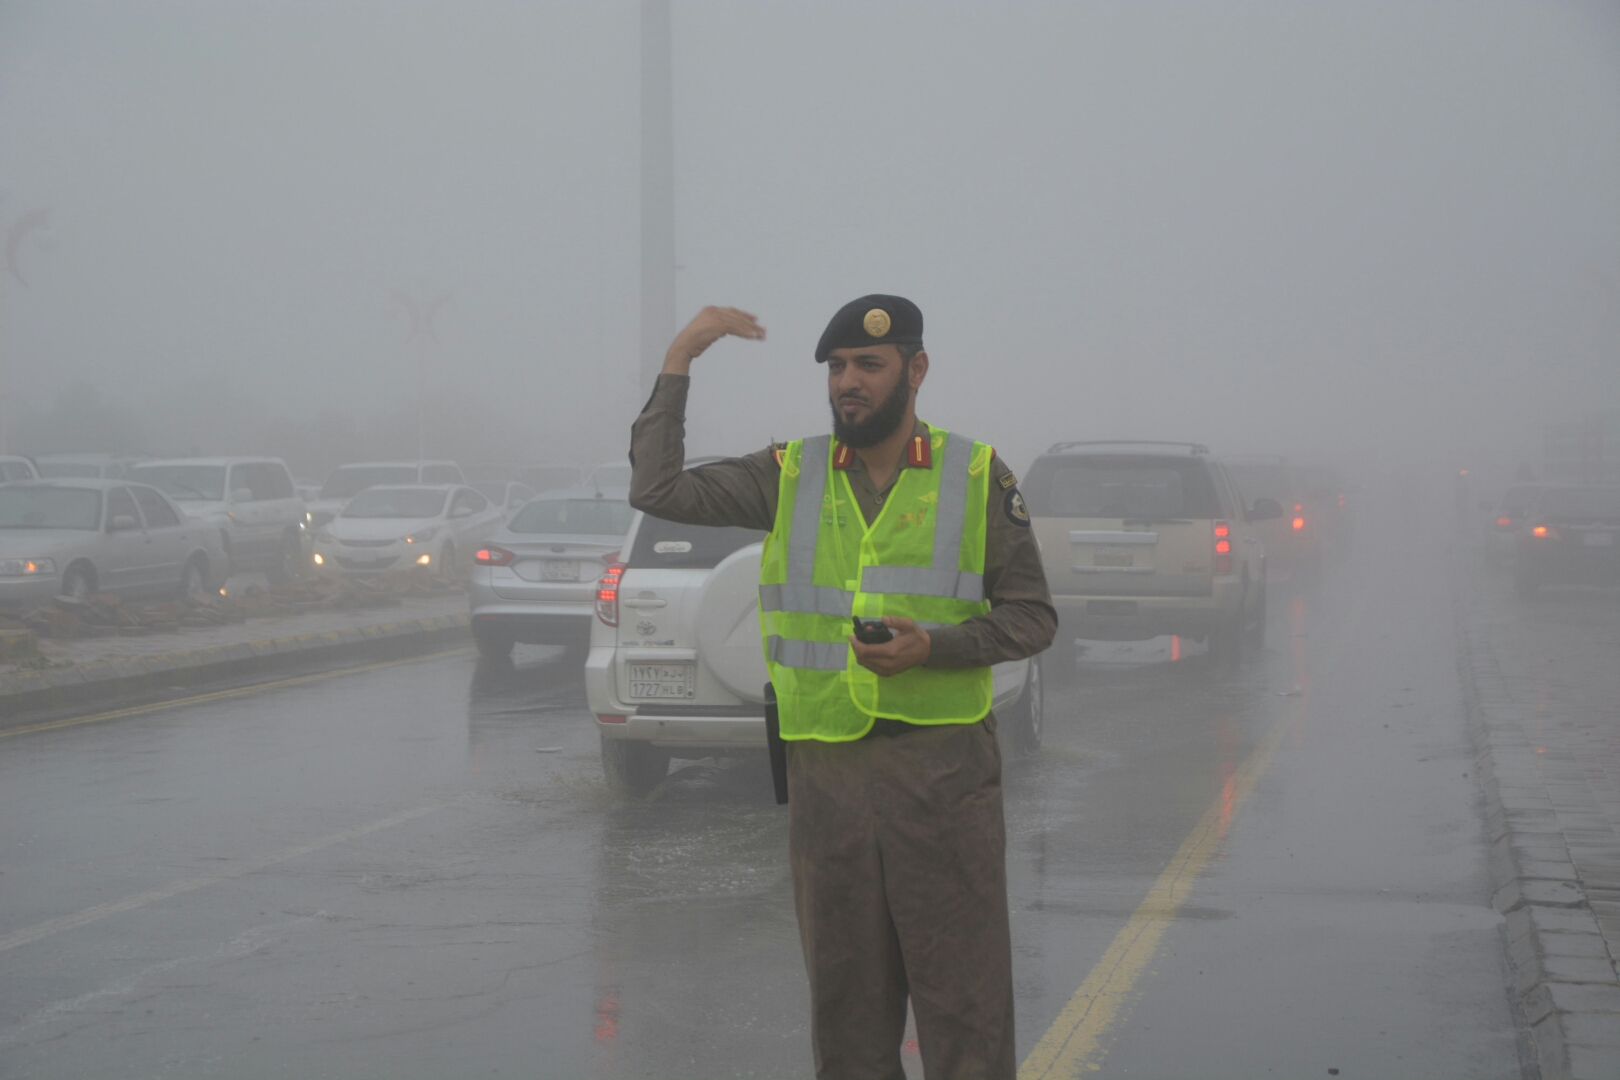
point(657, 190)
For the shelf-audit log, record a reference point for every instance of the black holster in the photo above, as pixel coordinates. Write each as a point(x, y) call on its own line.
point(778, 748)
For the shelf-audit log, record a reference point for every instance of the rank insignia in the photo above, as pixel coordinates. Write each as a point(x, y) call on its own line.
point(877, 322)
point(843, 457)
point(919, 455)
point(1009, 480)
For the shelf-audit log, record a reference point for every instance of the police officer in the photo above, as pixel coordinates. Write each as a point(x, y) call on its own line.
point(895, 837)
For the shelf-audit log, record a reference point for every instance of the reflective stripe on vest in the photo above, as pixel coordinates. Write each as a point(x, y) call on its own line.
point(820, 566)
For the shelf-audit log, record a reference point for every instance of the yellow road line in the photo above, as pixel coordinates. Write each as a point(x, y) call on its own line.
point(196, 699)
point(184, 885)
point(1073, 1042)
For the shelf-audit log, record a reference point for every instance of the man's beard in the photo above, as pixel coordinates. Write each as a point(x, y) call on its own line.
point(881, 422)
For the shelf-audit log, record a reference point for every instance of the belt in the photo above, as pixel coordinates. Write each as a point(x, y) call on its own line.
point(884, 728)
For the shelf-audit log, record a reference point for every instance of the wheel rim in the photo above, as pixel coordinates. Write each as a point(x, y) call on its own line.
point(78, 585)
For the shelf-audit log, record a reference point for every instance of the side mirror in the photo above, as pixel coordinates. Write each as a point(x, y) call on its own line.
point(462, 512)
point(1265, 510)
point(122, 523)
point(242, 495)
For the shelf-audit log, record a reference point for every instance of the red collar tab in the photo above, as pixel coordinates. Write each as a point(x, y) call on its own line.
point(919, 454)
point(843, 457)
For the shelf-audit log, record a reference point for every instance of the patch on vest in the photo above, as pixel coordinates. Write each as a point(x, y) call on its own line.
point(1017, 513)
point(1008, 480)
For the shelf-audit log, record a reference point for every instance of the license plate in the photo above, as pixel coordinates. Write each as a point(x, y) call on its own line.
point(559, 570)
point(663, 680)
point(1599, 540)
point(1109, 558)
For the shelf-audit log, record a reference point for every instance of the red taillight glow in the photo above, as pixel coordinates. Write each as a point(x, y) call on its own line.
point(610, 719)
point(1299, 523)
point(1545, 532)
point(1504, 522)
point(1223, 548)
point(607, 595)
point(1341, 500)
point(493, 556)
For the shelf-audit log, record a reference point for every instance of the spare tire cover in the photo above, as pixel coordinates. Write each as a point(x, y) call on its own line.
point(728, 625)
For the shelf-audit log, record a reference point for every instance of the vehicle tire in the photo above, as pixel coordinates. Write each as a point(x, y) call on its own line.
point(79, 581)
point(194, 578)
point(1025, 722)
point(492, 642)
point(633, 768)
point(285, 567)
point(1257, 629)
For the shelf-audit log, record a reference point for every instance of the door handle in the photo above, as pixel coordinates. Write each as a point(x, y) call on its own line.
point(644, 603)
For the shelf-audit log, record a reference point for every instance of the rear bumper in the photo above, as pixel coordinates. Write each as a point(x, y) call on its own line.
point(689, 733)
point(1135, 618)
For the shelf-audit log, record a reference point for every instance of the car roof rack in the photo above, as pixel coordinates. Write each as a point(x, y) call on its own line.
point(1192, 447)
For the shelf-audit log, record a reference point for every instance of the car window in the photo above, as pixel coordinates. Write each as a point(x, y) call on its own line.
point(183, 482)
point(278, 481)
point(57, 470)
point(1518, 500)
point(119, 503)
point(520, 495)
point(494, 489)
point(49, 508)
point(1584, 502)
point(573, 517)
point(1136, 488)
point(15, 470)
point(470, 500)
point(441, 474)
point(667, 545)
point(350, 480)
point(382, 502)
point(158, 512)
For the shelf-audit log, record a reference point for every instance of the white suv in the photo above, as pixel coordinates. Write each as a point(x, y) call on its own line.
point(676, 669)
point(250, 500)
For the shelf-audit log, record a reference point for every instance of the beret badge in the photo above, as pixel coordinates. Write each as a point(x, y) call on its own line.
point(876, 322)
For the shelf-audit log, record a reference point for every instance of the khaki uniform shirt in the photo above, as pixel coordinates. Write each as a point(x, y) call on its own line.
point(743, 492)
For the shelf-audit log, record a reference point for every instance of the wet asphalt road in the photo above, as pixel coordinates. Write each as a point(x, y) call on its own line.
point(416, 871)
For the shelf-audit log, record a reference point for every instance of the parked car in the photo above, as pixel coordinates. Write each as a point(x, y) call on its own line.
point(308, 490)
point(251, 501)
point(1143, 539)
point(347, 481)
point(1291, 541)
point(1571, 537)
point(676, 667)
point(614, 474)
point(77, 537)
point(16, 468)
point(437, 526)
point(85, 466)
point(534, 581)
point(506, 495)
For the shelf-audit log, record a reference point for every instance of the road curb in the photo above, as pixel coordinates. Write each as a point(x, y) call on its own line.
point(1567, 994)
point(26, 694)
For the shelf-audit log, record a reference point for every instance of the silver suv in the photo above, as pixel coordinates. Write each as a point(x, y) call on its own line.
point(250, 500)
point(676, 669)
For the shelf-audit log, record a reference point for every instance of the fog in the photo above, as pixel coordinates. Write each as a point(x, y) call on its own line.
point(1335, 231)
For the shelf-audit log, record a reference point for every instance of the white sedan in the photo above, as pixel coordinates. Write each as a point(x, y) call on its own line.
point(436, 526)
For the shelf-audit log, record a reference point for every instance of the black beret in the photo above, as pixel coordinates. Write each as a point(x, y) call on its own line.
point(872, 320)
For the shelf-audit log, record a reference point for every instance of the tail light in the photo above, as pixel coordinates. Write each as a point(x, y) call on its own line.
point(610, 719)
point(1223, 547)
point(1544, 532)
point(493, 556)
point(1504, 522)
point(1299, 523)
point(1342, 500)
point(607, 595)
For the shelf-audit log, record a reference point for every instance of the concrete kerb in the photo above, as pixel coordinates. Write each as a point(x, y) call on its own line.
point(1567, 992)
point(25, 695)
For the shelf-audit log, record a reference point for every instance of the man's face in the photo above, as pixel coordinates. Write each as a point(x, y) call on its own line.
point(869, 388)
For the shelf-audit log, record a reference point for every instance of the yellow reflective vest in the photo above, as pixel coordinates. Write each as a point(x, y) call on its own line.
point(922, 558)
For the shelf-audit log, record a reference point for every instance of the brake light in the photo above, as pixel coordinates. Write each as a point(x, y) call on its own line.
point(1341, 500)
point(1299, 523)
point(1223, 548)
point(607, 595)
point(610, 719)
point(1504, 522)
point(1544, 532)
point(493, 556)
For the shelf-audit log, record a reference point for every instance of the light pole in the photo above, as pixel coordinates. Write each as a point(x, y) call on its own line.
point(421, 315)
point(657, 191)
point(33, 224)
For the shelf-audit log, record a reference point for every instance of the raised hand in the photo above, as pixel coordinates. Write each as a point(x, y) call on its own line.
point(709, 326)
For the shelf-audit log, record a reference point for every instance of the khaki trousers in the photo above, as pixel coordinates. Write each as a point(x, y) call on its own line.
point(898, 851)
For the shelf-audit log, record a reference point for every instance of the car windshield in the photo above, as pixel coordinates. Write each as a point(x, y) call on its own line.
point(184, 482)
point(574, 517)
point(1134, 489)
point(493, 490)
point(1518, 500)
point(49, 508)
point(396, 503)
point(351, 480)
point(1584, 502)
point(1260, 480)
point(57, 470)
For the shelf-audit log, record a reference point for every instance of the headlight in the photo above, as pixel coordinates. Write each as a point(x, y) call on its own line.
point(422, 537)
point(26, 567)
